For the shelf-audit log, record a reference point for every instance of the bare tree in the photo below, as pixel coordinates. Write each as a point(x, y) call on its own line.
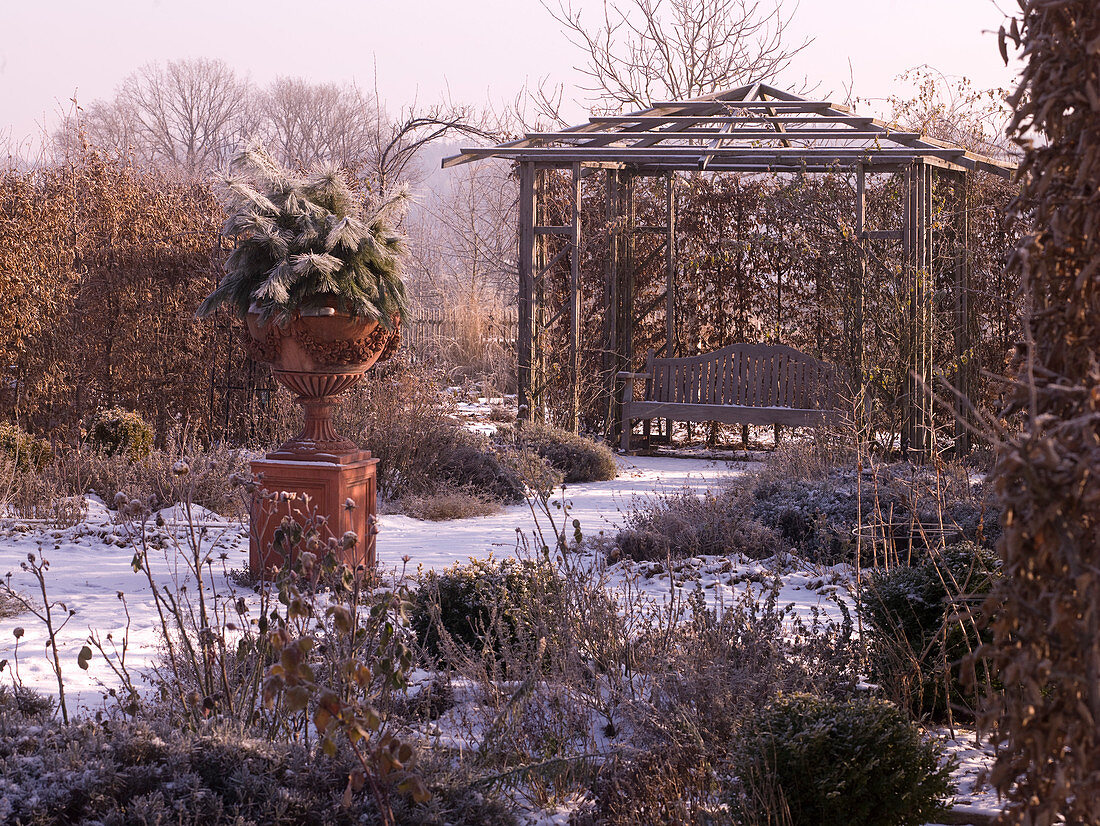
point(303, 122)
point(649, 50)
point(187, 114)
point(466, 237)
point(105, 124)
point(398, 142)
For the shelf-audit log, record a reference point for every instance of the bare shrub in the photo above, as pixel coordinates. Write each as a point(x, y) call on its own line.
point(11, 605)
point(535, 472)
point(157, 479)
point(454, 503)
point(31, 494)
point(684, 524)
point(399, 414)
point(807, 458)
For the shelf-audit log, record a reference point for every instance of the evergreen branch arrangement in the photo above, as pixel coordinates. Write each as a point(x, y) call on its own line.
point(303, 241)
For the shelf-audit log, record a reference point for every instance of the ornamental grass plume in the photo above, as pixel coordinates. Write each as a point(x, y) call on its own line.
point(303, 241)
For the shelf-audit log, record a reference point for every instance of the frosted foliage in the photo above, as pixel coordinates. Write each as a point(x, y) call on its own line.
point(303, 240)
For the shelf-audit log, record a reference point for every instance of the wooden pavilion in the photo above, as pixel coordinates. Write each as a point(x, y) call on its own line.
point(752, 129)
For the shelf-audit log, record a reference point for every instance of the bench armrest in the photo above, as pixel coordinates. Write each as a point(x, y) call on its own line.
point(632, 375)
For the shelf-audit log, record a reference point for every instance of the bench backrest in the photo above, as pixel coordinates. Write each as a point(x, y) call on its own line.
point(750, 375)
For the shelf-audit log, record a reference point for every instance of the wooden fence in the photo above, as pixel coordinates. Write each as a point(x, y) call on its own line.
point(454, 330)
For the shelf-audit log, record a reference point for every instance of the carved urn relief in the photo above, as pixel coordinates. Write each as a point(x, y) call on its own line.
point(317, 355)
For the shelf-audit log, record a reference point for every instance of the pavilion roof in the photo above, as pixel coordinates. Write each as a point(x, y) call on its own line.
point(749, 129)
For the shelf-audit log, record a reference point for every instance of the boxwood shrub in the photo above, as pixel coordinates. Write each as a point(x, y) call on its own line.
point(481, 605)
point(579, 458)
point(27, 452)
point(859, 762)
point(119, 432)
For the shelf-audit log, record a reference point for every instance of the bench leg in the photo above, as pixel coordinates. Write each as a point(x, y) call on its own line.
point(625, 442)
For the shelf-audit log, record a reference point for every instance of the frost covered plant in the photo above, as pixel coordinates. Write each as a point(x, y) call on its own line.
point(303, 241)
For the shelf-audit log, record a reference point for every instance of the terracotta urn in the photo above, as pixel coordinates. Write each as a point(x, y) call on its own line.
point(318, 354)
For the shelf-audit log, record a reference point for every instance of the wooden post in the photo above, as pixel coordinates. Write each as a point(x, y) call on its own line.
point(538, 362)
point(909, 253)
point(626, 272)
point(525, 338)
point(575, 304)
point(626, 278)
point(670, 266)
point(861, 408)
point(611, 308)
point(670, 281)
point(917, 441)
point(965, 359)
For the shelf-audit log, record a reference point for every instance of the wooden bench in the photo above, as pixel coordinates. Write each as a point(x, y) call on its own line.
point(755, 384)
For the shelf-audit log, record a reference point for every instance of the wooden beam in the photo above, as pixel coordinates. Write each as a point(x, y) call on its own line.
point(730, 414)
point(778, 131)
point(631, 153)
point(726, 128)
point(800, 105)
point(755, 119)
point(778, 125)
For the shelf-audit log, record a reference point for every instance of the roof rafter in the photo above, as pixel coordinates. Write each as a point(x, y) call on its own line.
point(751, 128)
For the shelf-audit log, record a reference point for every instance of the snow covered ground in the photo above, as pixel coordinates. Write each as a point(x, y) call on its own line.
point(90, 571)
point(90, 563)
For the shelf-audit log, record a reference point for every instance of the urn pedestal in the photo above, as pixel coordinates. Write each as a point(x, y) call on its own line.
point(329, 486)
point(317, 356)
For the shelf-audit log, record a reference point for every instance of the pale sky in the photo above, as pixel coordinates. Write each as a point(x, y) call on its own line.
point(479, 50)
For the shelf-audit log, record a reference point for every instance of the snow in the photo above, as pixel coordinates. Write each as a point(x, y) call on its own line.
point(90, 563)
point(90, 573)
point(600, 506)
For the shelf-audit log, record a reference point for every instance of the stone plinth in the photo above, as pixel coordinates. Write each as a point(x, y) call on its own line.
point(329, 480)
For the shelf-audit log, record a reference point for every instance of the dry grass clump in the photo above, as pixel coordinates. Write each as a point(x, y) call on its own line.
point(814, 457)
point(32, 494)
point(162, 478)
point(447, 504)
point(819, 512)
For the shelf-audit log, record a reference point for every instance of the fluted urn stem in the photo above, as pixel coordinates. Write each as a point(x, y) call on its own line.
point(317, 393)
